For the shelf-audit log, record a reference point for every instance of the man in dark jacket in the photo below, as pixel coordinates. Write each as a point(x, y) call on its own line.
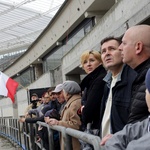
point(117, 93)
point(133, 136)
point(135, 49)
point(136, 53)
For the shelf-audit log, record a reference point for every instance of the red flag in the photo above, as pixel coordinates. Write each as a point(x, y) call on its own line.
point(8, 86)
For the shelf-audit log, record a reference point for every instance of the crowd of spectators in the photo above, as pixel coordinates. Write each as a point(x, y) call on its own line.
point(111, 98)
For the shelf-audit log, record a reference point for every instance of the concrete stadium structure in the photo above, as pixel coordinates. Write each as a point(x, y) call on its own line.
point(55, 55)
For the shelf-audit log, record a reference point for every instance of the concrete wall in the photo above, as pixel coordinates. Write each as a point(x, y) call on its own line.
point(67, 18)
point(56, 76)
point(114, 22)
point(123, 14)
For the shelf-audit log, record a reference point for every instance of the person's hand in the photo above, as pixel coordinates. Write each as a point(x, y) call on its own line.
point(40, 128)
point(38, 139)
point(104, 139)
point(53, 122)
point(26, 115)
point(22, 119)
point(46, 119)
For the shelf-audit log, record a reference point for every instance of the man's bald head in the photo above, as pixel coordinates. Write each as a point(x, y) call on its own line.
point(135, 45)
point(140, 33)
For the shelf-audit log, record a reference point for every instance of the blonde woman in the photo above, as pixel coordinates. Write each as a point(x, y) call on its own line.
point(93, 87)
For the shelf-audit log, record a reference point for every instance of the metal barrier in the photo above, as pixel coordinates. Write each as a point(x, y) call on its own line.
point(10, 129)
point(14, 131)
point(24, 135)
point(67, 133)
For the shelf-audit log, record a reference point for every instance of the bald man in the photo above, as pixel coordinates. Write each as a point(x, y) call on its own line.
point(136, 45)
point(135, 49)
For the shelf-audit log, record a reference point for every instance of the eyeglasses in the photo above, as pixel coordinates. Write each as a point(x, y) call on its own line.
point(58, 93)
point(46, 97)
point(52, 94)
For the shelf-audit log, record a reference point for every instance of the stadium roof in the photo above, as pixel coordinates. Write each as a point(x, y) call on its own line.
point(22, 21)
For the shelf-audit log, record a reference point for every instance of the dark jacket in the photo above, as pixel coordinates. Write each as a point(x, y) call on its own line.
point(55, 104)
point(43, 109)
point(34, 120)
point(139, 109)
point(93, 86)
point(121, 99)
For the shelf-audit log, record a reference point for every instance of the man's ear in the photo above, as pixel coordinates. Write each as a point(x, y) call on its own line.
point(68, 94)
point(139, 47)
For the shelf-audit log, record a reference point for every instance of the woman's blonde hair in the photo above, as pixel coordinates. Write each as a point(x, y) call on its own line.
point(85, 55)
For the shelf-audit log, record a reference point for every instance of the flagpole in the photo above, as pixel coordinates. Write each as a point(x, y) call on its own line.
point(23, 87)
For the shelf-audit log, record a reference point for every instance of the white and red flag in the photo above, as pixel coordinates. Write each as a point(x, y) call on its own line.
point(8, 86)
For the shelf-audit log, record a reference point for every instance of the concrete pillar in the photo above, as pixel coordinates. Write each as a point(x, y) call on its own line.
point(38, 70)
point(56, 76)
point(15, 108)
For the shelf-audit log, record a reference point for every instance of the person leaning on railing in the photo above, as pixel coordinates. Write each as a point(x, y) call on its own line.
point(69, 116)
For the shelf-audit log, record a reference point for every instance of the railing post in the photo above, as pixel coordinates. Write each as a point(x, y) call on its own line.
point(26, 136)
point(89, 138)
point(13, 132)
point(32, 135)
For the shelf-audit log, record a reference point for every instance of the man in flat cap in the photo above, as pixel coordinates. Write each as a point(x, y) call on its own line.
point(69, 116)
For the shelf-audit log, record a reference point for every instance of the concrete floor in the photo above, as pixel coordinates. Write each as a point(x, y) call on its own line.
point(6, 144)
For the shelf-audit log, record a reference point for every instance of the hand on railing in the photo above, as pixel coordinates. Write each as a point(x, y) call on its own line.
point(22, 119)
point(39, 133)
point(38, 139)
point(26, 115)
point(104, 139)
point(40, 128)
point(53, 122)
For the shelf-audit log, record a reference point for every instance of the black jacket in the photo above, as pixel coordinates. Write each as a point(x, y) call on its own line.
point(34, 120)
point(93, 86)
point(121, 99)
point(139, 109)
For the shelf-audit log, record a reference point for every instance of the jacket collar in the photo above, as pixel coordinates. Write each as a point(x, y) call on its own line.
point(108, 77)
point(73, 98)
point(140, 67)
point(94, 74)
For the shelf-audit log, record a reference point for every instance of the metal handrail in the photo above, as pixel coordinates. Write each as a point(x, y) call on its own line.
point(26, 139)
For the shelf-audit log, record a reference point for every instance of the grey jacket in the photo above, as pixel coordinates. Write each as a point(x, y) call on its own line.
point(37, 111)
point(133, 136)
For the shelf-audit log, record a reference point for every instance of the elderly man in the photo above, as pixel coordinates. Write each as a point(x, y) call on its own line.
point(69, 116)
point(58, 91)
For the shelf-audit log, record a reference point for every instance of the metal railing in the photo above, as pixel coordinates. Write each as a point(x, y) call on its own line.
point(10, 129)
point(24, 135)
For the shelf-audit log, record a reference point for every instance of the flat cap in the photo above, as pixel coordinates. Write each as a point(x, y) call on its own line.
point(71, 87)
